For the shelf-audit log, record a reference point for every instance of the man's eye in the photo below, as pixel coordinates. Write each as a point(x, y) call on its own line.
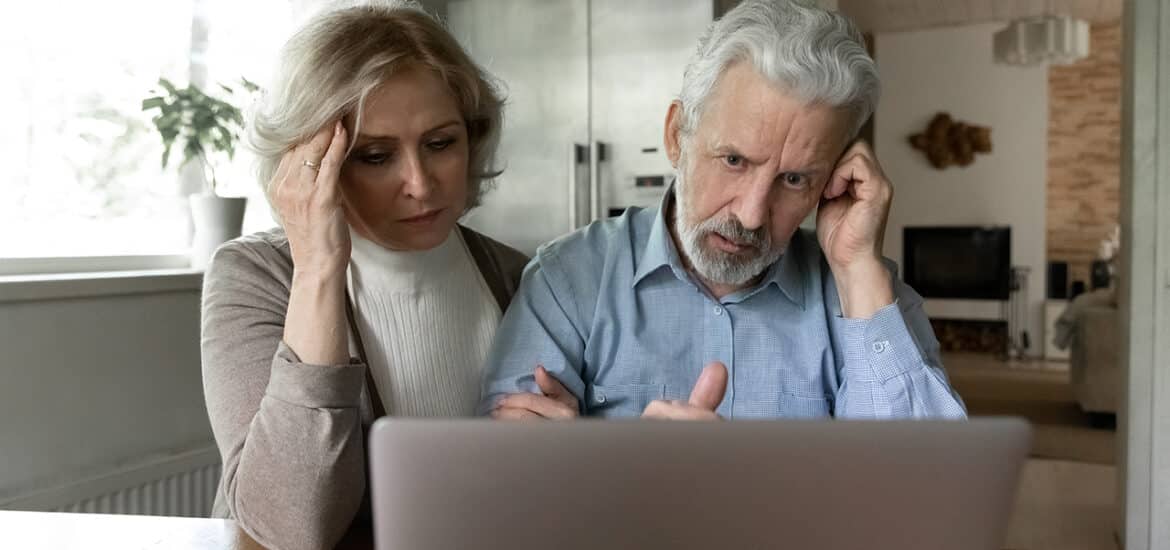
point(794, 180)
point(734, 161)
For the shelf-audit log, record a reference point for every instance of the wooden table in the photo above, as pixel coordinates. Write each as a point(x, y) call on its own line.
point(54, 531)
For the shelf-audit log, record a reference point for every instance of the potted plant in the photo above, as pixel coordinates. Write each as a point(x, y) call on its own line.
point(205, 129)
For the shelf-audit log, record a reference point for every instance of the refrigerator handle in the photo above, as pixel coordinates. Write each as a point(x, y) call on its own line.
point(596, 157)
point(578, 155)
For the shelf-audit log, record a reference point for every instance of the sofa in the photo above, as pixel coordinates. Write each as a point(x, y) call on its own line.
point(1095, 357)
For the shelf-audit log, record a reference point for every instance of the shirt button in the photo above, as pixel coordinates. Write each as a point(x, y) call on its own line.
point(599, 397)
point(718, 310)
point(880, 346)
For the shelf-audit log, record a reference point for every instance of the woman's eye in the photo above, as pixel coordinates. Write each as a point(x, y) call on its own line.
point(439, 145)
point(374, 158)
point(734, 161)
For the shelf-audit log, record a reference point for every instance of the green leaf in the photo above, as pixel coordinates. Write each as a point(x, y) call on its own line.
point(166, 85)
point(192, 151)
point(248, 85)
point(155, 102)
point(166, 154)
point(197, 123)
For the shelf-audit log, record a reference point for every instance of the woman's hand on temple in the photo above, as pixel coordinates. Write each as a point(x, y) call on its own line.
point(307, 197)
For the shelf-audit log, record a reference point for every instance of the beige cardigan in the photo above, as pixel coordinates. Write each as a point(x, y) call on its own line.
point(291, 434)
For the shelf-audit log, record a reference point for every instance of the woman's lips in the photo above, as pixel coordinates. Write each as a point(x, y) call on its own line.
point(424, 218)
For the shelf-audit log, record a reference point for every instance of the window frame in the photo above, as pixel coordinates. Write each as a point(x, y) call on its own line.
point(58, 265)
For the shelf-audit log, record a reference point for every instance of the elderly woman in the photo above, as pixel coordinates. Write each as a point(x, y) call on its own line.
point(377, 136)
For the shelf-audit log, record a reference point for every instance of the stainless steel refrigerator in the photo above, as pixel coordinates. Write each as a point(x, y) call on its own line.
point(588, 83)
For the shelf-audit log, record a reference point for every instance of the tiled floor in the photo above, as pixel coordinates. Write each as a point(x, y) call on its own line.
point(1065, 506)
point(1067, 496)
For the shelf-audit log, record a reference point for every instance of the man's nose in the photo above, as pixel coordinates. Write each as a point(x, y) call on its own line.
point(753, 205)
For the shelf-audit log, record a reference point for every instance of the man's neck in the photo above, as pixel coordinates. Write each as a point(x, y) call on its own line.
point(718, 290)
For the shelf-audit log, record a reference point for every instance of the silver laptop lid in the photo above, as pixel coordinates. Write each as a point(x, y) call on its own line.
point(745, 484)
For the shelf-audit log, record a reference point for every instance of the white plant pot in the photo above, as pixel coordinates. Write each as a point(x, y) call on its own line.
point(217, 221)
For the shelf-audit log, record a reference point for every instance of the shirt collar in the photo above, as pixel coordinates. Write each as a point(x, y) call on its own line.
point(660, 252)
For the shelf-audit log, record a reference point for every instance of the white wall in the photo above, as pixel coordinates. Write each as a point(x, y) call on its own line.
point(1144, 420)
point(951, 69)
point(89, 385)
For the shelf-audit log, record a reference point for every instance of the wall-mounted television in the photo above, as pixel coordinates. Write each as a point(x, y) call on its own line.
point(967, 262)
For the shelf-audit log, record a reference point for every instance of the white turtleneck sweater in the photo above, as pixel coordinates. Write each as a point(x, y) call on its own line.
point(427, 319)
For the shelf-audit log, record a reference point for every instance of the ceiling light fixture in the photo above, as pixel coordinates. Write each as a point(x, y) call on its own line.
point(1054, 39)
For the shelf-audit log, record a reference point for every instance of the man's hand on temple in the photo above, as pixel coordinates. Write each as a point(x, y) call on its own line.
point(850, 224)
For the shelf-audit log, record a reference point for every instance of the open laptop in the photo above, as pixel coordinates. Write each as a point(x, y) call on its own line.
point(592, 484)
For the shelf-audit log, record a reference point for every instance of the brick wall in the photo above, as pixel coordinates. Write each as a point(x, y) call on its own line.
point(1084, 152)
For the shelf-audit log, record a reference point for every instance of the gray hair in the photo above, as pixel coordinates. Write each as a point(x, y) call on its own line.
point(331, 65)
point(817, 55)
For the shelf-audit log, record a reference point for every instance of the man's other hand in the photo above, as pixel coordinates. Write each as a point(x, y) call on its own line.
point(705, 398)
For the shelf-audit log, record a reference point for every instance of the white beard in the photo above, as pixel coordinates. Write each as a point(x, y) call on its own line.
point(712, 264)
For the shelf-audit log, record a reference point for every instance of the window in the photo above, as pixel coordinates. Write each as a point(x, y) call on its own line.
point(80, 163)
point(81, 166)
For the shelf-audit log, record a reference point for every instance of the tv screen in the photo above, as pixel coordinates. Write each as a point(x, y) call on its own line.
point(958, 262)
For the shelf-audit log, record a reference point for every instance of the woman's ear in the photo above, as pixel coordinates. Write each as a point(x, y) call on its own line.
point(670, 137)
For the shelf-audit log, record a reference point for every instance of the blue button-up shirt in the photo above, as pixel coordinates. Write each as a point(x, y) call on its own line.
point(612, 313)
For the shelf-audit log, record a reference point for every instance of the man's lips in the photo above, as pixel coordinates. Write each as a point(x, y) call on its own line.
point(728, 245)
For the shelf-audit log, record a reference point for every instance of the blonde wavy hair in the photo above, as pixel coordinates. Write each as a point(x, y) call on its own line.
point(329, 67)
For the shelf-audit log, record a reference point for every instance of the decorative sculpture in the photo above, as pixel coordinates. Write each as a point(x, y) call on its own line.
point(947, 141)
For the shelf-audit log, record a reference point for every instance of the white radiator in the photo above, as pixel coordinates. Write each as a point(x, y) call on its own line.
point(186, 494)
point(177, 485)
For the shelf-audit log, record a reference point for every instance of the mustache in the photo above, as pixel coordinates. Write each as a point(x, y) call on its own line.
point(732, 229)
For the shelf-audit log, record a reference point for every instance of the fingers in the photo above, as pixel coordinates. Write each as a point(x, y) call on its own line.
point(552, 387)
point(330, 169)
point(295, 177)
point(857, 173)
point(549, 385)
point(278, 177)
point(316, 147)
point(676, 410)
point(545, 407)
point(510, 413)
point(705, 398)
point(709, 389)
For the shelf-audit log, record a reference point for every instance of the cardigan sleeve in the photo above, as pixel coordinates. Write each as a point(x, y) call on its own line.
point(289, 433)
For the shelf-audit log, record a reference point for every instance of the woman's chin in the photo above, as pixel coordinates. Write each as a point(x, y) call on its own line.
point(413, 237)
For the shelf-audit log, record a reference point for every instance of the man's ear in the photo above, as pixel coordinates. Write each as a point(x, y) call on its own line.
point(671, 137)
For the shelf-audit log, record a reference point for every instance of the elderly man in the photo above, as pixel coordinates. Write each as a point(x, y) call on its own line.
point(716, 304)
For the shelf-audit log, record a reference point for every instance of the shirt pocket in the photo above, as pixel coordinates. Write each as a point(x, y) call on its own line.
point(805, 406)
point(621, 399)
point(783, 405)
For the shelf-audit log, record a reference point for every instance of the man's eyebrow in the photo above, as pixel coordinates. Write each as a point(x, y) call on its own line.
point(730, 149)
